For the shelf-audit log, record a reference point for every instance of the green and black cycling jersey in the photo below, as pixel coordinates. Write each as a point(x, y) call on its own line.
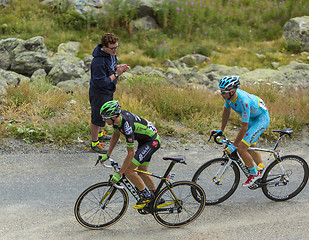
point(136, 128)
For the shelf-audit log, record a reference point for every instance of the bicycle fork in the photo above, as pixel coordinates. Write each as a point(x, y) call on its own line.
point(107, 197)
point(221, 172)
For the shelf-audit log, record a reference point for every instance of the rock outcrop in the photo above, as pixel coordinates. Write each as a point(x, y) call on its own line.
point(296, 33)
point(28, 60)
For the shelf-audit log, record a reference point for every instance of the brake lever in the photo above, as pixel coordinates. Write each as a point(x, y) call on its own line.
point(211, 134)
point(115, 184)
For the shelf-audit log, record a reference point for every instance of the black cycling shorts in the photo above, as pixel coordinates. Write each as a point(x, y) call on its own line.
point(145, 150)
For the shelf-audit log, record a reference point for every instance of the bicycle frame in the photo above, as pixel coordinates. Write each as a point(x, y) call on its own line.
point(241, 165)
point(132, 189)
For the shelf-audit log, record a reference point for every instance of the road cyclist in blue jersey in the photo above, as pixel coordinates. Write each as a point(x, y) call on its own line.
point(144, 132)
point(254, 121)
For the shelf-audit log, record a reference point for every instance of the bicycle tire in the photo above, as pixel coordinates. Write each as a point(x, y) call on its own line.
point(217, 192)
point(167, 210)
point(93, 214)
point(288, 185)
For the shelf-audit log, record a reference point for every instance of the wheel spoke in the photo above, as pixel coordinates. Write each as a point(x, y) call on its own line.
point(89, 210)
point(175, 215)
point(285, 179)
point(218, 190)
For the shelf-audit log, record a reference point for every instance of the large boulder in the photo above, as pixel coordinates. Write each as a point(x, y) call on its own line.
point(66, 66)
point(194, 59)
point(4, 3)
point(29, 56)
point(294, 66)
point(285, 76)
point(3, 86)
point(6, 48)
point(12, 78)
point(70, 86)
point(69, 48)
point(64, 71)
point(98, 7)
point(263, 75)
point(145, 23)
point(296, 33)
point(214, 72)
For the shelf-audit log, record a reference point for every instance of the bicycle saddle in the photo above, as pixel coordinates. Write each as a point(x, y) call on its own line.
point(288, 131)
point(180, 159)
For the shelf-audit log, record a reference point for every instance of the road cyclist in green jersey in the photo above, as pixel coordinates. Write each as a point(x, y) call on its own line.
point(133, 128)
point(254, 118)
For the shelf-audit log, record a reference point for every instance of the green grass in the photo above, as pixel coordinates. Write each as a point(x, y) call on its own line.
point(235, 30)
point(230, 32)
point(47, 114)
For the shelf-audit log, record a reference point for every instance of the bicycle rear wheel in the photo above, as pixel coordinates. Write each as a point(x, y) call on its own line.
point(217, 190)
point(285, 179)
point(175, 205)
point(101, 205)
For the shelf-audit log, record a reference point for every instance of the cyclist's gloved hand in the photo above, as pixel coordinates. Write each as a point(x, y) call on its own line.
point(116, 177)
point(215, 132)
point(103, 158)
point(218, 132)
point(230, 148)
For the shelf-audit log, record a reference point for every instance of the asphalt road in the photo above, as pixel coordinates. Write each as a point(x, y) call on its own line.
point(38, 193)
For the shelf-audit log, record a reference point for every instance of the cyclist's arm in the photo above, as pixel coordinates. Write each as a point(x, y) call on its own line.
point(127, 160)
point(241, 133)
point(225, 118)
point(113, 141)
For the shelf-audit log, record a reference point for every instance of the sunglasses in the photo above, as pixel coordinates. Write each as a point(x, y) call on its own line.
point(224, 92)
point(105, 118)
point(113, 48)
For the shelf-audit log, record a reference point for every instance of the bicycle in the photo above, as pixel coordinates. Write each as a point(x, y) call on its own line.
point(175, 205)
point(282, 179)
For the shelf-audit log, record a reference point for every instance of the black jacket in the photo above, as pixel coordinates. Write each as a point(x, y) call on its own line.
point(102, 66)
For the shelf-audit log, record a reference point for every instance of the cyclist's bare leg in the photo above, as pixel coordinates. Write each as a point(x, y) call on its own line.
point(134, 177)
point(257, 158)
point(245, 155)
point(146, 178)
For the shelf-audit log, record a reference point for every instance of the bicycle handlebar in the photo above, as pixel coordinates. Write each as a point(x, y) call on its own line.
point(107, 166)
point(223, 139)
point(114, 165)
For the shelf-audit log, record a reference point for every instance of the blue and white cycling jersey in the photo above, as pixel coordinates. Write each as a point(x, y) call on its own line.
point(246, 105)
point(252, 111)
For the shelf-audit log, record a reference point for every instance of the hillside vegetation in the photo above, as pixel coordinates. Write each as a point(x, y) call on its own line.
point(229, 32)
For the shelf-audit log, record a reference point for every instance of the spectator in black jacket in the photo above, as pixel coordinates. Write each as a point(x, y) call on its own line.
point(104, 75)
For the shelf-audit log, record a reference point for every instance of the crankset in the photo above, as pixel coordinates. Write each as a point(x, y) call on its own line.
point(258, 183)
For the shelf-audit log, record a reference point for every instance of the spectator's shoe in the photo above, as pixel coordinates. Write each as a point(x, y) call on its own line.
point(251, 179)
point(104, 137)
point(98, 147)
point(141, 203)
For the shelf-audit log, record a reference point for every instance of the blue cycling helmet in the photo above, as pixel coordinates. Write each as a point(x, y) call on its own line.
point(229, 82)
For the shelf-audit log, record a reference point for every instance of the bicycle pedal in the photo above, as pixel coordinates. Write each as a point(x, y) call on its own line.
point(144, 210)
point(253, 187)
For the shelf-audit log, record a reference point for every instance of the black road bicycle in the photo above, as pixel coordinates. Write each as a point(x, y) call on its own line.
point(282, 179)
point(175, 204)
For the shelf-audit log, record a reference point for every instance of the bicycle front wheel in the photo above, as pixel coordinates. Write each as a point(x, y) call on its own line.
point(101, 205)
point(218, 185)
point(175, 205)
point(285, 179)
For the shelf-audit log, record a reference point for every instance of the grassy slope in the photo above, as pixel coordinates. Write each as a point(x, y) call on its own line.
point(230, 32)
